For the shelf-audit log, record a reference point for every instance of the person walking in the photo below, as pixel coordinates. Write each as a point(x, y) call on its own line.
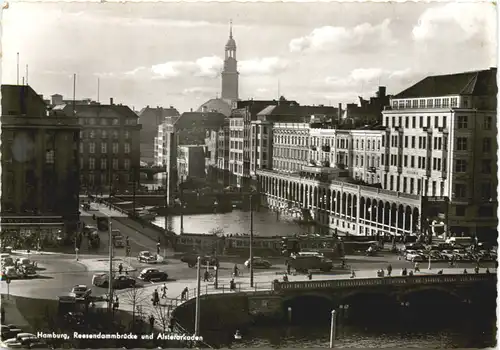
point(164, 291)
point(120, 268)
point(389, 270)
point(156, 298)
point(152, 322)
point(416, 268)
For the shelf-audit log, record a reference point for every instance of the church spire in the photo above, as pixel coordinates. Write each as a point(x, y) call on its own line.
point(230, 29)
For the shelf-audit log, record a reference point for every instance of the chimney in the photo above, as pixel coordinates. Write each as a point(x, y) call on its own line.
point(339, 112)
point(111, 101)
point(191, 109)
point(381, 91)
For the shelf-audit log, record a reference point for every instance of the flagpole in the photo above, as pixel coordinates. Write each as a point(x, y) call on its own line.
point(18, 68)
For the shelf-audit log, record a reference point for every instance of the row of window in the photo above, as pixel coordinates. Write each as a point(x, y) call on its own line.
point(427, 103)
point(104, 147)
point(293, 153)
point(103, 179)
point(104, 163)
point(302, 141)
point(105, 121)
point(462, 122)
point(236, 145)
point(370, 161)
point(102, 134)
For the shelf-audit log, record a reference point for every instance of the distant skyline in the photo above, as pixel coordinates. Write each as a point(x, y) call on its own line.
point(170, 54)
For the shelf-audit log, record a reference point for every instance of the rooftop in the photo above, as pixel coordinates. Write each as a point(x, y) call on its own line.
point(477, 83)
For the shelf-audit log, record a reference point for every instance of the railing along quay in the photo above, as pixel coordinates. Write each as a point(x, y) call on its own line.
point(388, 280)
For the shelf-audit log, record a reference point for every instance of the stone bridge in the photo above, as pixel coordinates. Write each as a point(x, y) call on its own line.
point(319, 297)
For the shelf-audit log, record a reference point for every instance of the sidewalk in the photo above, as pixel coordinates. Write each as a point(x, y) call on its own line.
point(102, 209)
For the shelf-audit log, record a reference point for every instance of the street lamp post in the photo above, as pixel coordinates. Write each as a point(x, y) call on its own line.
point(182, 207)
point(197, 316)
point(110, 281)
point(251, 241)
point(332, 329)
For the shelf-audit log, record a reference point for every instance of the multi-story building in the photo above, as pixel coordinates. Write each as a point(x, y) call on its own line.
point(191, 162)
point(40, 172)
point(151, 119)
point(223, 174)
point(189, 129)
point(432, 163)
point(109, 145)
point(243, 146)
point(211, 155)
point(441, 144)
point(368, 112)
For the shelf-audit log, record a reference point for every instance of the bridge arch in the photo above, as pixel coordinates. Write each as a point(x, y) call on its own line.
point(308, 307)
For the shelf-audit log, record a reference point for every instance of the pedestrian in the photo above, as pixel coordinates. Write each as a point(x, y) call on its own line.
point(158, 248)
point(156, 298)
point(185, 293)
point(206, 276)
point(116, 303)
point(151, 322)
point(164, 290)
point(476, 269)
point(285, 278)
point(309, 275)
point(465, 271)
point(417, 268)
point(235, 270)
point(353, 274)
point(389, 270)
point(120, 268)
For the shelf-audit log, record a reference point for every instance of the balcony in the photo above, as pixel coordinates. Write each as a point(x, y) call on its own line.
point(372, 169)
point(325, 148)
point(313, 148)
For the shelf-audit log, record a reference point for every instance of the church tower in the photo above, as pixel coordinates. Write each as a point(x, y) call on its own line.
point(230, 71)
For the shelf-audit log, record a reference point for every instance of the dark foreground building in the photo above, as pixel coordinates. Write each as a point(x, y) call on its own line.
point(40, 173)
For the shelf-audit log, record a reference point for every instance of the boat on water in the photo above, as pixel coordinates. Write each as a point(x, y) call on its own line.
point(237, 335)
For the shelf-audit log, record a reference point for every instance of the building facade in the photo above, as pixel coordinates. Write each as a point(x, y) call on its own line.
point(191, 162)
point(441, 143)
point(109, 146)
point(40, 166)
point(223, 173)
point(150, 119)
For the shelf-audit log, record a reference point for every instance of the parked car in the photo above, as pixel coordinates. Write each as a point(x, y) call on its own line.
point(411, 255)
point(192, 260)
point(7, 261)
point(146, 257)
point(118, 242)
point(448, 254)
point(436, 255)
point(258, 263)
point(9, 272)
point(27, 271)
point(26, 338)
point(12, 343)
point(150, 274)
point(81, 291)
point(25, 262)
point(119, 282)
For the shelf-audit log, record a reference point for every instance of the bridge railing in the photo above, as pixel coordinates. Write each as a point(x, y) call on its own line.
point(394, 280)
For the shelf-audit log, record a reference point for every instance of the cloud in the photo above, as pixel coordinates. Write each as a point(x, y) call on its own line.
point(210, 67)
point(370, 77)
point(263, 66)
point(457, 22)
point(203, 67)
point(364, 35)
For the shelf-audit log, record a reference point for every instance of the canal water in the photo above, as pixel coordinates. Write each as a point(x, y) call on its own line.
point(265, 223)
point(384, 330)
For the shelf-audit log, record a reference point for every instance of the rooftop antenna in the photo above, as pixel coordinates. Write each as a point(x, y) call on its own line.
point(26, 74)
point(18, 68)
point(74, 94)
point(279, 89)
point(98, 91)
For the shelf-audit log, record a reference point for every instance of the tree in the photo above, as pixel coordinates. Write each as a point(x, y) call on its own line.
point(135, 297)
point(218, 231)
point(162, 315)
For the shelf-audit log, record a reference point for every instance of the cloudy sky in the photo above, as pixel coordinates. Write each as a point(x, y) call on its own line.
point(171, 53)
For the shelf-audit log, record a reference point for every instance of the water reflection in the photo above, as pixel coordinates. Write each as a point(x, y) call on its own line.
point(266, 223)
